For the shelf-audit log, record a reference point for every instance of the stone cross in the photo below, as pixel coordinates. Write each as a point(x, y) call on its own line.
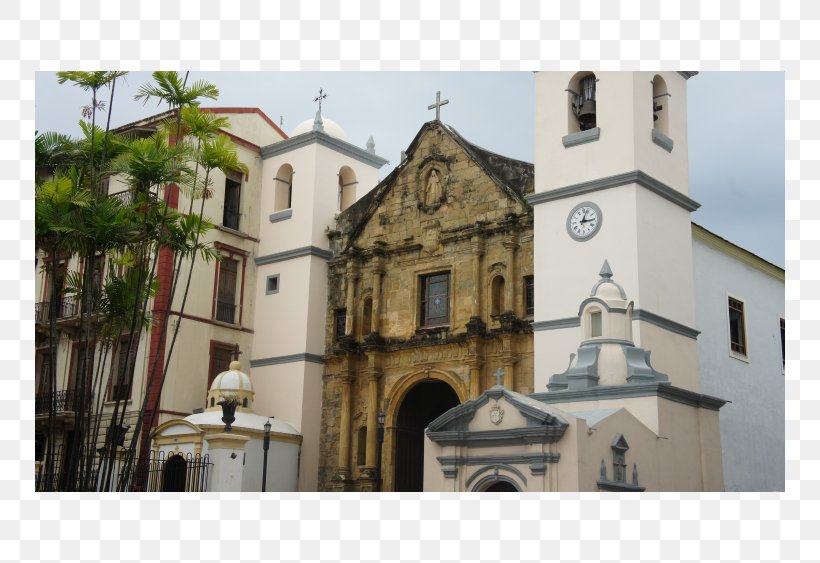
point(322, 95)
point(499, 377)
point(438, 105)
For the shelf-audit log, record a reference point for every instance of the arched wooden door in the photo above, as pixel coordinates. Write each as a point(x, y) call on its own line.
point(425, 401)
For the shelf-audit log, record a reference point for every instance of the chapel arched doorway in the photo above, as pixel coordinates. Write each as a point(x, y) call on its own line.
point(422, 404)
point(173, 478)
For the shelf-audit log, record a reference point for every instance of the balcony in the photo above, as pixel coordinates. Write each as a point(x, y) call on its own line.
point(65, 308)
point(63, 401)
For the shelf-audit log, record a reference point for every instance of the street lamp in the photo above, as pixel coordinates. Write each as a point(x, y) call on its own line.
point(265, 447)
point(380, 441)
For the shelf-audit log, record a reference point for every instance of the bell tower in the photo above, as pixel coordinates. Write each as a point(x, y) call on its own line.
point(612, 183)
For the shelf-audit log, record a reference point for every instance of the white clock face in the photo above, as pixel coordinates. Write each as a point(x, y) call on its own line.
point(584, 221)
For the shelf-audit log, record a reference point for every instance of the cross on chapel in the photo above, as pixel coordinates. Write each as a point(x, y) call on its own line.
point(438, 105)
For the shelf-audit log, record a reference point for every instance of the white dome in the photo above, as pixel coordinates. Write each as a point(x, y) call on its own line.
point(331, 128)
point(232, 380)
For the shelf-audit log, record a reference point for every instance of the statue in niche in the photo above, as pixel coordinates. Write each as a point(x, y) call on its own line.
point(433, 191)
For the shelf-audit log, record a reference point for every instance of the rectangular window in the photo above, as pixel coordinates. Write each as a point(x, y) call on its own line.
point(783, 342)
point(226, 291)
point(272, 284)
point(222, 355)
point(435, 299)
point(230, 213)
point(529, 295)
point(595, 324)
point(42, 363)
point(737, 326)
point(123, 374)
point(340, 323)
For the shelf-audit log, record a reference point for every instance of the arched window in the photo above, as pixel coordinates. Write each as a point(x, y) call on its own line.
point(582, 111)
point(283, 189)
point(660, 105)
point(347, 187)
point(497, 295)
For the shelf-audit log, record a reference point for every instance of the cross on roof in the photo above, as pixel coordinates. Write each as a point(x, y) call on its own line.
point(236, 352)
point(438, 105)
point(322, 95)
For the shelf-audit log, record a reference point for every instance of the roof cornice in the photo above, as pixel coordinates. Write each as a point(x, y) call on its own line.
point(325, 140)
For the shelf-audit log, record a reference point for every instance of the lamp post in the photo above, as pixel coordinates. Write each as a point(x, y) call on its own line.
point(379, 442)
point(265, 447)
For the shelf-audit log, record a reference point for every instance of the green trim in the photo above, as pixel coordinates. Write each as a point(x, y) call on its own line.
point(654, 389)
point(663, 322)
point(295, 253)
point(634, 177)
point(322, 138)
point(290, 359)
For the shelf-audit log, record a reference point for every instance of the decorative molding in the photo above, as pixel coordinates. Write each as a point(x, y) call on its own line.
point(687, 74)
point(289, 359)
point(322, 138)
point(569, 322)
point(634, 177)
point(281, 215)
point(663, 322)
point(505, 459)
point(295, 253)
point(654, 389)
point(619, 487)
point(495, 468)
point(581, 137)
point(662, 140)
point(507, 437)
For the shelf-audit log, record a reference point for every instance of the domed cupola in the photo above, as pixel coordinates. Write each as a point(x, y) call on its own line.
point(607, 354)
point(231, 384)
point(320, 123)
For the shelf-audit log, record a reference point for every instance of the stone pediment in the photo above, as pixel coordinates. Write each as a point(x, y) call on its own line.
point(536, 423)
point(443, 176)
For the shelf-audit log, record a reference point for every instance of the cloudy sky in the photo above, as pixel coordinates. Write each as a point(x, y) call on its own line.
point(736, 126)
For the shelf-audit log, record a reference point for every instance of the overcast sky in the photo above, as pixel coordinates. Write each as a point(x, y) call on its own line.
point(736, 126)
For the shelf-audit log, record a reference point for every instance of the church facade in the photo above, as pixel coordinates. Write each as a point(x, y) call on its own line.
point(473, 322)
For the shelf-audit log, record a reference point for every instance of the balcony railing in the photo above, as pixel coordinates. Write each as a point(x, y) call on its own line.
point(65, 308)
point(63, 401)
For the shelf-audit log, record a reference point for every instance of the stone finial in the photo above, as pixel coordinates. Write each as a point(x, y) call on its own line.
point(402, 157)
point(235, 365)
point(371, 145)
point(318, 124)
point(606, 271)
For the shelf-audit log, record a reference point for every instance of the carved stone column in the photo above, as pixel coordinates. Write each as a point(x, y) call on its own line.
point(475, 361)
point(511, 287)
point(378, 272)
point(477, 249)
point(345, 379)
point(350, 278)
point(373, 377)
point(508, 360)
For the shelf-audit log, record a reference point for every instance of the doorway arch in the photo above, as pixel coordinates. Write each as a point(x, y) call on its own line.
point(173, 475)
point(425, 401)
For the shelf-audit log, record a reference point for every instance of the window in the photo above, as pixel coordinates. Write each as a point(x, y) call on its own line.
point(347, 187)
point(737, 327)
point(226, 291)
point(82, 357)
point(529, 295)
point(42, 371)
point(221, 356)
point(123, 365)
point(435, 299)
point(783, 343)
point(595, 324)
point(340, 326)
point(283, 188)
point(272, 284)
point(230, 212)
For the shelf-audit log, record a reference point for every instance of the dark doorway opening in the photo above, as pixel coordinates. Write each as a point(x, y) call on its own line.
point(501, 487)
point(173, 479)
point(425, 402)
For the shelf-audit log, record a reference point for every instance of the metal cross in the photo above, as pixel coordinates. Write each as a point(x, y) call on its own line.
point(438, 105)
point(319, 98)
point(236, 352)
point(499, 376)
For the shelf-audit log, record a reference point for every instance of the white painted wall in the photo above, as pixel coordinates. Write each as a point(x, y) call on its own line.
point(752, 425)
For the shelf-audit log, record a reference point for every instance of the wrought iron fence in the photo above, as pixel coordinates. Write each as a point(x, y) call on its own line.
point(161, 472)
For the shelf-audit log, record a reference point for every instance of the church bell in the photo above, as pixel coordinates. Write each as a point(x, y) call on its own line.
point(585, 111)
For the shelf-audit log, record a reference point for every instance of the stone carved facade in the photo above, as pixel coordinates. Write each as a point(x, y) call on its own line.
point(477, 229)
